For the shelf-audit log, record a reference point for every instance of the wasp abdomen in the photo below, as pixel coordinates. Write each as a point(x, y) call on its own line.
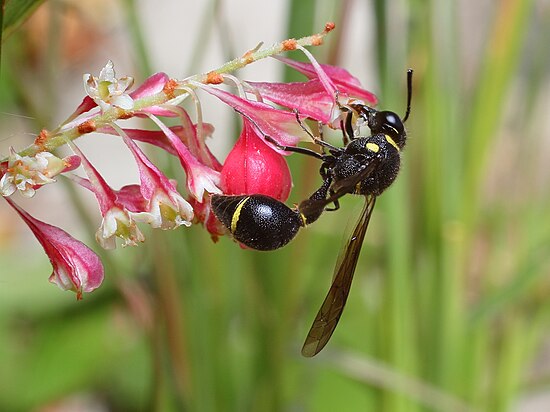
point(257, 221)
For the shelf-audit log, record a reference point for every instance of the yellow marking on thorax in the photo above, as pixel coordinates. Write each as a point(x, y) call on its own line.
point(237, 213)
point(391, 141)
point(304, 220)
point(373, 147)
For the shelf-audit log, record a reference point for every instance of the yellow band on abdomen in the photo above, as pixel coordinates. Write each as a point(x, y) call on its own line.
point(237, 213)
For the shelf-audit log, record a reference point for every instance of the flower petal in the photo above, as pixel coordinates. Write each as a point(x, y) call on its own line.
point(158, 137)
point(200, 178)
point(278, 124)
point(309, 98)
point(27, 173)
point(166, 208)
point(152, 85)
point(75, 266)
point(107, 90)
point(343, 80)
point(117, 222)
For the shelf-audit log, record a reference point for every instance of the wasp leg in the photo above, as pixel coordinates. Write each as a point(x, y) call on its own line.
point(271, 140)
point(311, 209)
point(294, 149)
point(324, 171)
point(346, 126)
point(316, 139)
point(345, 139)
point(336, 203)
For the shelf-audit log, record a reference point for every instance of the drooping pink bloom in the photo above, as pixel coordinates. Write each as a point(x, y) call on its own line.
point(280, 125)
point(309, 98)
point(343, 80)
point(75, 266)
point(200, 178)
point(164, 208)
point(157, 137)
point(117, 221)
point(254, 168)
point(316, 98)
point(193, 137)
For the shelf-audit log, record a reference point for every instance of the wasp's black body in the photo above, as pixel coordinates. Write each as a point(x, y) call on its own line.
point(378, 149)
point(366, 165)
point(260, 222)
point(263, 223)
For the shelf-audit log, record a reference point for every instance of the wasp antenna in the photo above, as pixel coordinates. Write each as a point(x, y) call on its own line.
point(409, 94)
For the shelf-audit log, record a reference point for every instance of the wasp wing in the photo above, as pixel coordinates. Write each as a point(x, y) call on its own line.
point(329, 314)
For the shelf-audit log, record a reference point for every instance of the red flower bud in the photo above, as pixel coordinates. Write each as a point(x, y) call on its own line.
point(252, 167)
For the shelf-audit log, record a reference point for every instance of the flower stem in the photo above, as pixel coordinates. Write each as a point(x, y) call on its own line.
point(51, 140)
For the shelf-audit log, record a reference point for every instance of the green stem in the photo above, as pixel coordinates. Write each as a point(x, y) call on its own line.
point(50, 141)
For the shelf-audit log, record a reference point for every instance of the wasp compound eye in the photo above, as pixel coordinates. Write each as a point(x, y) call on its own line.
point(391, 123)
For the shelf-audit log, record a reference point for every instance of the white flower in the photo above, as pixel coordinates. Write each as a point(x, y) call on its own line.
point(118, 223)
point(106, 90)
point(166, 211)
point(25, 172)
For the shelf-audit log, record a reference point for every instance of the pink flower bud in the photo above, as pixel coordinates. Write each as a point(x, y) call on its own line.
point(75, 266)
point(252, 167)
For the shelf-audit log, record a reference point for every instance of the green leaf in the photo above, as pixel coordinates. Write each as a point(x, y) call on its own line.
point(14, 13)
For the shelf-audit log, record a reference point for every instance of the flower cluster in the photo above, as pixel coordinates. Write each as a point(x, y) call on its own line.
point(255, 165)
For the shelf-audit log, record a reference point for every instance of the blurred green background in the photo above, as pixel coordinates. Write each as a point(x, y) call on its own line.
point(450, 307)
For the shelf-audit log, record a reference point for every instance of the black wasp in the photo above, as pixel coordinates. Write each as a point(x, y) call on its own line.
point(366, 166)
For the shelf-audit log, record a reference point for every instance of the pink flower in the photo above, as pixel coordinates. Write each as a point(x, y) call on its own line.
point(158, 138)
point(164, 208)
point(75, 266)
point(254, 168)
point(316, 98)
point(345, 83)
point(280, 125)
point(117, 221)
point(193, 137)
point(200, 177)
point(152, 85)
point(309, 98)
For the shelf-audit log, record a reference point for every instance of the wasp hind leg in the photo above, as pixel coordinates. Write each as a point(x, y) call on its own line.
point(336, 203)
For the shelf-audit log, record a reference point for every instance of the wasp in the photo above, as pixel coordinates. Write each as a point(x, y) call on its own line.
point(365, 166)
